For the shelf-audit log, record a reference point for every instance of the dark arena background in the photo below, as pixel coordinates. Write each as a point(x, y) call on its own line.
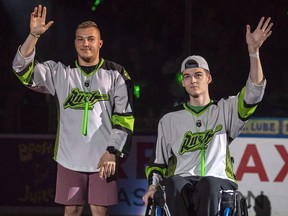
point(150, 39)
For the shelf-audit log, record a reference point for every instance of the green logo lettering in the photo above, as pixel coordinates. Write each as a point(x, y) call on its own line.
point(193, 142)
point(76, 99)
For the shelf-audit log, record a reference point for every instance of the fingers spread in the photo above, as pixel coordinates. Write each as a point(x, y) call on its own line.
point(260, 23)
point(49, 24)
point(39, 10)
point(44, 12)
point(266, 23)
point(248, 29)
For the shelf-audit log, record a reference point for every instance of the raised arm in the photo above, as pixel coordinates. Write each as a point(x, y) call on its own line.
point(37, 28)
point(254, 41)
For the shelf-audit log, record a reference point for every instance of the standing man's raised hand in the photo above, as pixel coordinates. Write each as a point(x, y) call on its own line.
point(37, 27)
point(38, 21)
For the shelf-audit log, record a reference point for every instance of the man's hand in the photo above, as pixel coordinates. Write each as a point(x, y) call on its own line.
point(38, 20)
point(149, 194)
point(107, 165)
point(262, 32)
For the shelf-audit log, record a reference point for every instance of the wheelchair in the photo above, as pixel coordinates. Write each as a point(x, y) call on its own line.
point(232, 203)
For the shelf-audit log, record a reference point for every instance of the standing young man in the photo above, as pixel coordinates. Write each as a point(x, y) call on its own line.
point(95, 116)
point(192, 159)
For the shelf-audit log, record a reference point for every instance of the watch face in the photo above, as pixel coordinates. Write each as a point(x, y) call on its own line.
point(111, 150)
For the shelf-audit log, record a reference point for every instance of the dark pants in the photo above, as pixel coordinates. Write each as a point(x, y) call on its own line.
point(195, 196)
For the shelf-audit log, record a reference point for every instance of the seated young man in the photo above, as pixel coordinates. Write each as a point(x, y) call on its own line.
point(191, 158)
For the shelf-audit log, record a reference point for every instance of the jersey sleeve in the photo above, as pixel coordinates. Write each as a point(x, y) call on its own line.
point(122, 115)
point(249, 98)
point(34, 75)
point(157, 167)
point(240, 108)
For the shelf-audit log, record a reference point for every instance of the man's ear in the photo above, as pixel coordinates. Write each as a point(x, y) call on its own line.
point(209, 79)
point(101, 43)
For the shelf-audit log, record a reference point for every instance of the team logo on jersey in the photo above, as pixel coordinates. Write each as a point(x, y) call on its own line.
point(76, 99)
point(196, 141)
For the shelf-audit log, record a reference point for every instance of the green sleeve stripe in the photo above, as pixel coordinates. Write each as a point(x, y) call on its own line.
point(150, 169)
point(25, 77)
point(245, 110)
point(229, 165)
point(126, 121)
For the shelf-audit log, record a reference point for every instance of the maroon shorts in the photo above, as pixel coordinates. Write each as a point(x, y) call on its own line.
point(77, 188)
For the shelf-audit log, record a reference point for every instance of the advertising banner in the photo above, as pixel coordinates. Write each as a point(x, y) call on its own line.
point(27, 170)
point(261, 166)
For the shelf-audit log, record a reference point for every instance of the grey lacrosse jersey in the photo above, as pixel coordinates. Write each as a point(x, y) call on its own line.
point(108, 92)
point(184, 133)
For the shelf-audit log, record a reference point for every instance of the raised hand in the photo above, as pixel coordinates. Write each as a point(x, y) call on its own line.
point(38, 21)
point(261, 33)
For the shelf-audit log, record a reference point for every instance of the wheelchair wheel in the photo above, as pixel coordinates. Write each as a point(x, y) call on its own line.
point(227, 212)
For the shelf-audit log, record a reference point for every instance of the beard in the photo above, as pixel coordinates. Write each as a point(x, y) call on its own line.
point(86, 59)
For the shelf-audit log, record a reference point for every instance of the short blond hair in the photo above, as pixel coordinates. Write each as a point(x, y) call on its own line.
point(88, 24)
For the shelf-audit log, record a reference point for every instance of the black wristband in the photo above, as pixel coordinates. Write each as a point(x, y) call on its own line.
point(113, 150)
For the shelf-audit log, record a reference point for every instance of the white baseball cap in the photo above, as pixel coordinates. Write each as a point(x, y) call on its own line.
point(194, 61)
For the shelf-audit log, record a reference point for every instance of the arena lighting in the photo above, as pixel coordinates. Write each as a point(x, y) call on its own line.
point(179, 78)
point(137, 89)
point(95, 5)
